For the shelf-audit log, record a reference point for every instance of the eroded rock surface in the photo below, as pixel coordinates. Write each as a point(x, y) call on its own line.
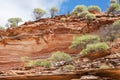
point(40, 38)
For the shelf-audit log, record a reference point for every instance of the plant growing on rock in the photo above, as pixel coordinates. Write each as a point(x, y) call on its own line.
point(1, 28)
point(63, 19)
point(82, 41)
point(45, 63)
point(14, 21)
point(25, 58)
point(90, 17)
point(94, 8)
point(113, 7)
point(116, 25)
point(68, 68)
point(61, 56)
point(42, 63)
point(38, 13)
point(98, 47)
point(89, 44)
point(110, 32)
point(53, 11)
point(31, 63)
point(78, 9)
point(82, 14)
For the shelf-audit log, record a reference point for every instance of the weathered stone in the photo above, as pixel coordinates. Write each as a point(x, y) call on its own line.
point(89, 77)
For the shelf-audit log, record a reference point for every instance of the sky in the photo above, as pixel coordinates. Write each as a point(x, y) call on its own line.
point(24, 8)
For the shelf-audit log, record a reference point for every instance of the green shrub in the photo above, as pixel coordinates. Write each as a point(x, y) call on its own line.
point(90, 17)
point(79, 8)
point(94, 8)
point(45, 63)
point(13, 25)
point(1, 28)
point(110, 32)
point(37, 62)
point(98, 47)
point(53, 11)
point(14, 21)
point(42, 63)
point(116, 24)
point(83, 14)
point(113, 7)
point(31, 63)
point(68, 68)
point(63, 19)
point(82, 41)
point(38, 13)
point(25, 58)
point(60, 56)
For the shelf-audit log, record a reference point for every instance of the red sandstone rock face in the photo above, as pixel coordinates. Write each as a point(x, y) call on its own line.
point(40, 38)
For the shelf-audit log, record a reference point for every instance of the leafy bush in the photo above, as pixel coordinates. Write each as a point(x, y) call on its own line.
point(83, 14)
point(60, 56)
point(113, 7)
point(110, 32)
point(90, 17)
point(31, 63)
point(25, 58)
point(45, 63)
point(82, 41)
point(116, 24)
point(68, 68)
point(94, 8)
point(53, 11)
point(38, 13)
point(42, 63)
point(1, 28)
point(13, 25)
point(98, 47)
point(63, 19)
point(79, 8)
point(14, 21)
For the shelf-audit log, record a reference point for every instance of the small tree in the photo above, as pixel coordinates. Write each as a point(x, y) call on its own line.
point(94, 8)
point(38, 13)
point(60, 56)
point(79, 8)
point(113, 7)
point(14, 21)
point(53, 11)
point(82, 41)
point(98, 47)
point(13, 24)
